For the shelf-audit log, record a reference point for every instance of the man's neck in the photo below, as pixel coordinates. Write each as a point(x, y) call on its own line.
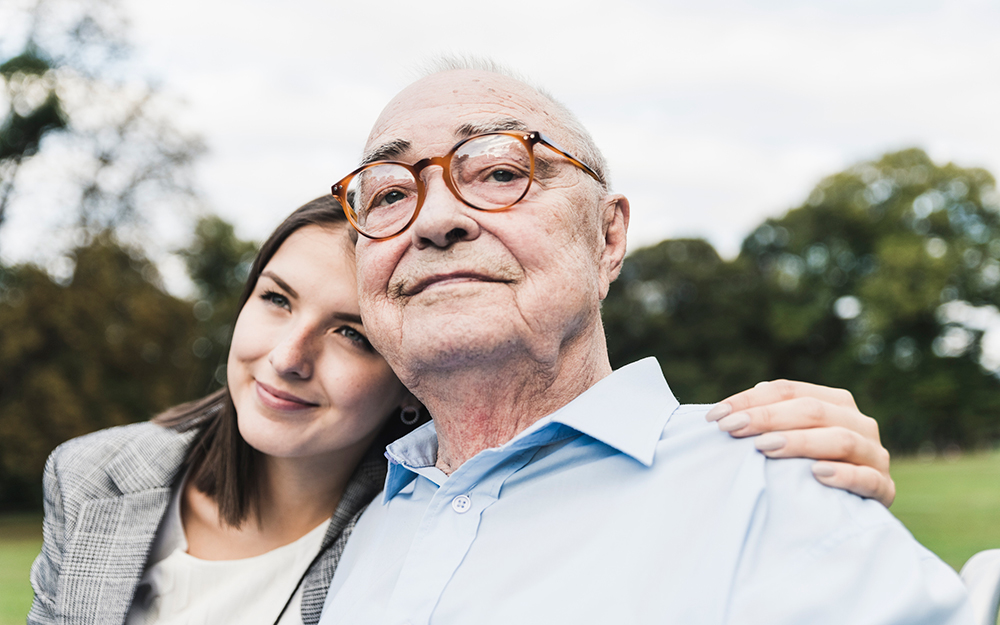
point(488, 404)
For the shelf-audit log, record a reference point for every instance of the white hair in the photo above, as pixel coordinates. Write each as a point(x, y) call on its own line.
point(582, 144)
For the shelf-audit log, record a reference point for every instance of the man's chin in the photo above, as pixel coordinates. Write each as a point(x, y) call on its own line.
point(461, 340)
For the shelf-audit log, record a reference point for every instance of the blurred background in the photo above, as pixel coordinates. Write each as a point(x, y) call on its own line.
point(812, 188)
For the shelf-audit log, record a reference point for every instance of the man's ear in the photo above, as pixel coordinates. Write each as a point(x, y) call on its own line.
point(615, 214)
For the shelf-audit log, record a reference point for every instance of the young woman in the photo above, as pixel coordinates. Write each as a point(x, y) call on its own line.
point(235, 508)
point(228, 508)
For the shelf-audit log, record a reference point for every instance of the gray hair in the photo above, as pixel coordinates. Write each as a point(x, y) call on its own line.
point(582, 144)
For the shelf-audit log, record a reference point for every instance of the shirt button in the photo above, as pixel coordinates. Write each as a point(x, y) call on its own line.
point(461, 504)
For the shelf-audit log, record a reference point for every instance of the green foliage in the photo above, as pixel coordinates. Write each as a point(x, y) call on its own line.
point(107, 348)
point(79, 357)
point(64, 89)
point(680, 302)
point(864, 286)
point(24, 126)
point(107, 345)
point(30, 62)
point(218, 262)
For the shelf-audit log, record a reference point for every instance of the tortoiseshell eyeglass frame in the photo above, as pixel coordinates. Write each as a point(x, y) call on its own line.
point(528, 139)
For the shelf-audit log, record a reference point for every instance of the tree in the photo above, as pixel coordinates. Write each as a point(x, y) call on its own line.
point(116, 160)
point(679, 301)
point(96, 342)
point(26, 121)
point(878, 283)
point(218, 263)
point(109, 348)
point(866, 282)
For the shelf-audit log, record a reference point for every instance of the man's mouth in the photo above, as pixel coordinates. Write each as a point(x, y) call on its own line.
point(441, 279)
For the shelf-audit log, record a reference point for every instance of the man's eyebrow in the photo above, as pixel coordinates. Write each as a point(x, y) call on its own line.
point(394, 149)
point(270, 274)
point(503, 124)
point(388, 151)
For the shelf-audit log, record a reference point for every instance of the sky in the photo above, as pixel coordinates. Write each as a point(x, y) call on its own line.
point(713, 115)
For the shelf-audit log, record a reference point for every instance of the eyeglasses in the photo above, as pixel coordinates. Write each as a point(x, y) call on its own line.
point(489, 172)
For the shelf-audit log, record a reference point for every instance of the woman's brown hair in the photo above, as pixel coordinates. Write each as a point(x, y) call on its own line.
point(222, 464)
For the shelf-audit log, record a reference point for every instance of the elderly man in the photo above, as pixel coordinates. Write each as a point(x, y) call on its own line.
point(550, 489)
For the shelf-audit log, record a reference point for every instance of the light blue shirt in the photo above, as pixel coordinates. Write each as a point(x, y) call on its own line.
point(626, 507)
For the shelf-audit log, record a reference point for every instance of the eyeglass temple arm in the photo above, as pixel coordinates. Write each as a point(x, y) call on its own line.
point(552, 145)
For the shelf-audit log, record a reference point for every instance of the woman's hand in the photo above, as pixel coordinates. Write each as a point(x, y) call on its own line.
point(801, 420)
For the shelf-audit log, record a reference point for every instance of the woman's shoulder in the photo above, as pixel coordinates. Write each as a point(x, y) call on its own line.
point(143, 448)
point(90, 449)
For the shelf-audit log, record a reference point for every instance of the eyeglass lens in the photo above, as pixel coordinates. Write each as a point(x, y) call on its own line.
point(488, 172)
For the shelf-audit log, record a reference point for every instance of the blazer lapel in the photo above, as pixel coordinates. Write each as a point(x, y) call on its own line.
point(107, 553)
point(364, 484)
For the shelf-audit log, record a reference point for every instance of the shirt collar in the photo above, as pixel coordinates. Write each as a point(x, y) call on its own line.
point(627, 410)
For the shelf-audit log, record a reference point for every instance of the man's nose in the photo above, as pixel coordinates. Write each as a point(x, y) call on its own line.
point(444, 219)
point(294, 355)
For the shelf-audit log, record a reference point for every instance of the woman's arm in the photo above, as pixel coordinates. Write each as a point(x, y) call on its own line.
point(801, 420)
point(45, 570)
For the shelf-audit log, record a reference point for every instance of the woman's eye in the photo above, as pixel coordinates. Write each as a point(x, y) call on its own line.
point(355, 336)
point(277, 299)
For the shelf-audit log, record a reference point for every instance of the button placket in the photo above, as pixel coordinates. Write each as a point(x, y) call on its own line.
point(444, 538)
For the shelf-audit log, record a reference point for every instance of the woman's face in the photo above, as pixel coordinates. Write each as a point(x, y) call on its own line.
point(304, 379)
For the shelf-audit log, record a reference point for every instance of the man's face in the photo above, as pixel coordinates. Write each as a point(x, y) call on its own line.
point(461, 285)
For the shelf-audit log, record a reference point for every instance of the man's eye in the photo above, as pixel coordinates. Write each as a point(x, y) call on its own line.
point(393, 196)
point(389, 197)
point(502, 175)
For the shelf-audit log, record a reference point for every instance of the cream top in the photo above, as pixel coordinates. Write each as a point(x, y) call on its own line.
point(178, 588)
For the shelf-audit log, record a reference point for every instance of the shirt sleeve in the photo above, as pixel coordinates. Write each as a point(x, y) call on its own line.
point(827, 556)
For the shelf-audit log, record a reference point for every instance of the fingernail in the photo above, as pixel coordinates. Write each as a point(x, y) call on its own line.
point(718, 411)
point(770, 441)
point(823, 469)
point(734, 422)
point(760, 384)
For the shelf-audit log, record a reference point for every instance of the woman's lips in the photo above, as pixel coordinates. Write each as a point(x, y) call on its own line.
point(281, 400)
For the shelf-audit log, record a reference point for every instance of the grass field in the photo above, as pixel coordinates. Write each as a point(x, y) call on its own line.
point(951, 505)
point(20, 541)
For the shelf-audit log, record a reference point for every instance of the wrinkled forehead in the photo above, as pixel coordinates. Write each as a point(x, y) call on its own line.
point(432, 114)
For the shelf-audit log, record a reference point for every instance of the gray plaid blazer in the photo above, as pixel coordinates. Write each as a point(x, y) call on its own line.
point(105, 495)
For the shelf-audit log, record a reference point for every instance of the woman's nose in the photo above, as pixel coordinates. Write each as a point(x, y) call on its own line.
point(294, 354)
